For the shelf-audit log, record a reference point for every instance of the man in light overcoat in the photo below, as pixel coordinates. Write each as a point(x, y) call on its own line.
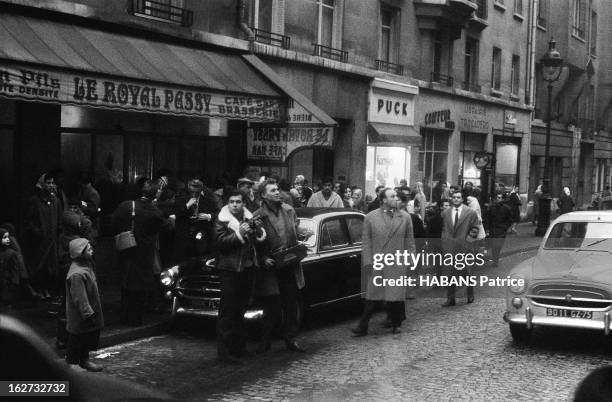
point(385, 231)
point(458, 220)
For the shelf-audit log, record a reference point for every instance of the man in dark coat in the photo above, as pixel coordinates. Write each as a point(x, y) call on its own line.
point(375, 204)
point(41, 232)
point(459, 220)
point(138, 265)
point(280, 223)
point(498, 221)
point(235, 233)
point(195, 214)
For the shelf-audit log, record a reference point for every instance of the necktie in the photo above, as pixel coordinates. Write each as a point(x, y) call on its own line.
point(456, 218)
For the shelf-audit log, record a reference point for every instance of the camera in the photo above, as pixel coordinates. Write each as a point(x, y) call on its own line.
point(254, 223)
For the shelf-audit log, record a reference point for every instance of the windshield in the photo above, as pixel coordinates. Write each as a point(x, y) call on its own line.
point(307, 232)
point(582, 235)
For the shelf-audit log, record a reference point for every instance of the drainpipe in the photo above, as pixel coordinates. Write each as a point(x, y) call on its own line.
point(532, 52)
point(243, 21)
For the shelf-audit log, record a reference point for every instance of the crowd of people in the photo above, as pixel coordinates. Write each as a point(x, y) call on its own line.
point(244, 223)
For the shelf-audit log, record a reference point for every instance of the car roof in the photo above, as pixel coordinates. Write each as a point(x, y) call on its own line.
point(591, 216)
point(311, 213)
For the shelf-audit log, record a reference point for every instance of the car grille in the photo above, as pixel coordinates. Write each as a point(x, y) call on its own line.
point(576, 291)
point(573, 303)
point(199, 286)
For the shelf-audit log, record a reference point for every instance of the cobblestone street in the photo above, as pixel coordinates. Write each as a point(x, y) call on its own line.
point(460, 353)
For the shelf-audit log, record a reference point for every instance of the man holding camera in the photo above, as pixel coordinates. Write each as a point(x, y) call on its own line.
point(236, 233)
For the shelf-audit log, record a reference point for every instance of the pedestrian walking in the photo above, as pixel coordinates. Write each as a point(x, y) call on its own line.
point(41, 232)
point(434, 232)
point(420, 200)
point(326, 198)
point(375, 204)
point(16, 266)
point(498, 221)
point(90, 203)
point(236, 235)
point(359, 203)
point(459, 220)
point(83, 307)
point(565, 202)
point(139, 265)
point(514, 202)
point(474, 204)
point(536, 204)
point(276, 280)
point(385, 230)
point(10, 269)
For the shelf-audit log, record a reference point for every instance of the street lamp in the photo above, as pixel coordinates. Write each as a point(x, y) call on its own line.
point(552, 64)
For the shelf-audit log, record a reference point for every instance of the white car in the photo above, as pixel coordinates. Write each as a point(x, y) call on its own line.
point(569, 282)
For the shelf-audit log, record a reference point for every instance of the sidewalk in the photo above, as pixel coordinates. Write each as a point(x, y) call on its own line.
point(41, 316)
point(525, 240)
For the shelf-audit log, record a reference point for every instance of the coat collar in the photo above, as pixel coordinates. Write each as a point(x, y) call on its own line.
point(226, 216)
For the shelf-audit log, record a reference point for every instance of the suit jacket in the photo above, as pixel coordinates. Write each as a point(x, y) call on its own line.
point(453, 237)
point(381, 237)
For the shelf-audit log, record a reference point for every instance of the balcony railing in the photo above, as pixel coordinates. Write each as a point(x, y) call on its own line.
point(470, 86)
point(442, 79)
point(161, 11)
point(392, 68)
point(271, 38)
point(330, 53)
point(588, 128)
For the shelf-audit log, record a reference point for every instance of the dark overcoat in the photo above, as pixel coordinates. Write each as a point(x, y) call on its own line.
point(454, 237)
point(41, 233)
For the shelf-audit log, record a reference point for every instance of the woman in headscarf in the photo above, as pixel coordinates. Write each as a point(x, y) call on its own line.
point(419, 200)
point(565, 202)
point(472, 203)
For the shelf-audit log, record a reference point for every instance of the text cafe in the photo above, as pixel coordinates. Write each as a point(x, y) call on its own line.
point(392, 141)
point(454, 130)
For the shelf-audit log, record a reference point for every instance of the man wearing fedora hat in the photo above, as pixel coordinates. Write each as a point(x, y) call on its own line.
point(195, 213)
point(245, 185)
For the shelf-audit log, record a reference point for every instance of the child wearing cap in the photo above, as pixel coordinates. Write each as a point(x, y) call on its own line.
point(83, 307)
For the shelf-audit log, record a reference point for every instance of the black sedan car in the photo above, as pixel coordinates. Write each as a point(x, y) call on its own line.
point(331, 268)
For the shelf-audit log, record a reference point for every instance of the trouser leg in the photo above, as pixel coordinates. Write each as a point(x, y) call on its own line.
point(290, 301)
point(396, 312)
point(271, 306)
point(73, 349)
point(368, 310)
point(235, 293)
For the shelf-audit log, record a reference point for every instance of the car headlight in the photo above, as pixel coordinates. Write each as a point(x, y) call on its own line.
point(168, 277)
point(518, 284)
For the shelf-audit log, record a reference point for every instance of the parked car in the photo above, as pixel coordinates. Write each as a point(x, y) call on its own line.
point(569, 282)
point(331, 269)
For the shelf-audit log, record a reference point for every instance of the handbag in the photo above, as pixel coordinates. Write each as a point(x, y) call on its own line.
point(287, 256)
point(126, 240)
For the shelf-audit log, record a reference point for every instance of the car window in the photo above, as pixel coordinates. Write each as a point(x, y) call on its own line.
point(355, 228)
point(579, 235)
point(307, 232)
point(332, 234)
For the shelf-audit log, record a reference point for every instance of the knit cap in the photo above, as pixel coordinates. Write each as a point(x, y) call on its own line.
point(77, 246)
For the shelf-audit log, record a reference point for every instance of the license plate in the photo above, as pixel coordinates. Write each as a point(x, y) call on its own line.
point(556, 312)
point(206, 304)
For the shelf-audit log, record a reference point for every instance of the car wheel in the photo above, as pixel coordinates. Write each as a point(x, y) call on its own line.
point(520, 333)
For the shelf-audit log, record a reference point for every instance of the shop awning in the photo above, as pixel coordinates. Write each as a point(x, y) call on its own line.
point(301, 110)
point(51, 61)
point(393, 133)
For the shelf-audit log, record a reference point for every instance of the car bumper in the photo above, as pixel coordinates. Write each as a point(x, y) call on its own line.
point(252, 314)
point(535, 315)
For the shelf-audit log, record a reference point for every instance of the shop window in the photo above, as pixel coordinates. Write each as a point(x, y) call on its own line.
point(76, 153)
point(386, 166)
point(109, 158)
point(140, 157)
point(470, 144)
point(506, 164)
point(332, 234)
point(433, 158)
point(496, 68)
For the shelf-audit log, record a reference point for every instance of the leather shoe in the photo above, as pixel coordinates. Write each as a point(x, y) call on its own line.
point(263, 347)
point(448, 303)
point(359, 331)
point(89, 366)
point(294, 347)
point(470, 299)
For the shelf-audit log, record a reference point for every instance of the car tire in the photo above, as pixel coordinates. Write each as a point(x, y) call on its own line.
point(520, 333)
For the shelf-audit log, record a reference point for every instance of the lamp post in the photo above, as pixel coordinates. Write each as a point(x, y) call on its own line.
point(552, 64)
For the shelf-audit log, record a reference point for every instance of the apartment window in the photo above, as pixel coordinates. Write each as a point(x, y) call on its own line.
point(516, 74)
point(518, 7)
point(325, 22)
point(386, 39)
point(437, 55)
point(471, 63)
point(542, 13)
point(261, 15)
point(482, 9)
point(496, 69)
point(579, 22)
point(593, 37)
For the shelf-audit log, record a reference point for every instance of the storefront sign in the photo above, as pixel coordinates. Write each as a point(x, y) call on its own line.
point(277, 143)
point(438, 116)
point(474, 119)
point(391, 107)
point(90, 90)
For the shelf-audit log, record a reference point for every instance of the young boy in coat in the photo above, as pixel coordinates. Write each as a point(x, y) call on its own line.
point(83, 306)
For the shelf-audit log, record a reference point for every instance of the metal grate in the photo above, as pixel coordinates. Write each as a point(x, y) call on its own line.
point(271, 38)
point(330, 53)
point(392, 68)
point(161, 11)
point(442, 79)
